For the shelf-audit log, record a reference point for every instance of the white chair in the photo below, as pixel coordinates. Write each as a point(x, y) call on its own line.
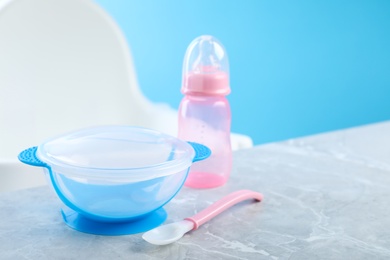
point(64, 65)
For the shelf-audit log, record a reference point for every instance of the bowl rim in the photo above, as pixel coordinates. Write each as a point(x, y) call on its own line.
point(119, 173)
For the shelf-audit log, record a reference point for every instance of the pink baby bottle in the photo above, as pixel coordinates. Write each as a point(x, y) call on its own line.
point(204, 113)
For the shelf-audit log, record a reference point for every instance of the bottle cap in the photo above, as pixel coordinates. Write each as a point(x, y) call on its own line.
point(206, 68)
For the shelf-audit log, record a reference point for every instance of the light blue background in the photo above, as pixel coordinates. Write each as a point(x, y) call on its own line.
point(297, 67)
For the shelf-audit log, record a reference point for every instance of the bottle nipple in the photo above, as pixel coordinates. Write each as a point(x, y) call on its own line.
point(206, 67)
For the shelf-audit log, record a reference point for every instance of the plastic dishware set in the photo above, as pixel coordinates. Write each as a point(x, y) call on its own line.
point(115, 180)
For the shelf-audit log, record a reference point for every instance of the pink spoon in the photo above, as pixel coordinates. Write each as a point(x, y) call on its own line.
point(167, 234)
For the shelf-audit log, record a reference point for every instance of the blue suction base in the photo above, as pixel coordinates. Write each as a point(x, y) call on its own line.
point(82, 224)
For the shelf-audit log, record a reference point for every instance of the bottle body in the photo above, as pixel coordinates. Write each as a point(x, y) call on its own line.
point(207, 120)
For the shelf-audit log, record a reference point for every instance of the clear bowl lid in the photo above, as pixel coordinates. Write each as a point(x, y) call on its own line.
point(116, 152)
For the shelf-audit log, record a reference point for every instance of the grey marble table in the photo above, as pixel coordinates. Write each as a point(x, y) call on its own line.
point(325, 197)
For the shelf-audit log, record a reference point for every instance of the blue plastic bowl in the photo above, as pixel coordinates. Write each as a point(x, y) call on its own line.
point(115, 179)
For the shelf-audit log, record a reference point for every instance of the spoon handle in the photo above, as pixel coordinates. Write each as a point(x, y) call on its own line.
point(223, 204)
